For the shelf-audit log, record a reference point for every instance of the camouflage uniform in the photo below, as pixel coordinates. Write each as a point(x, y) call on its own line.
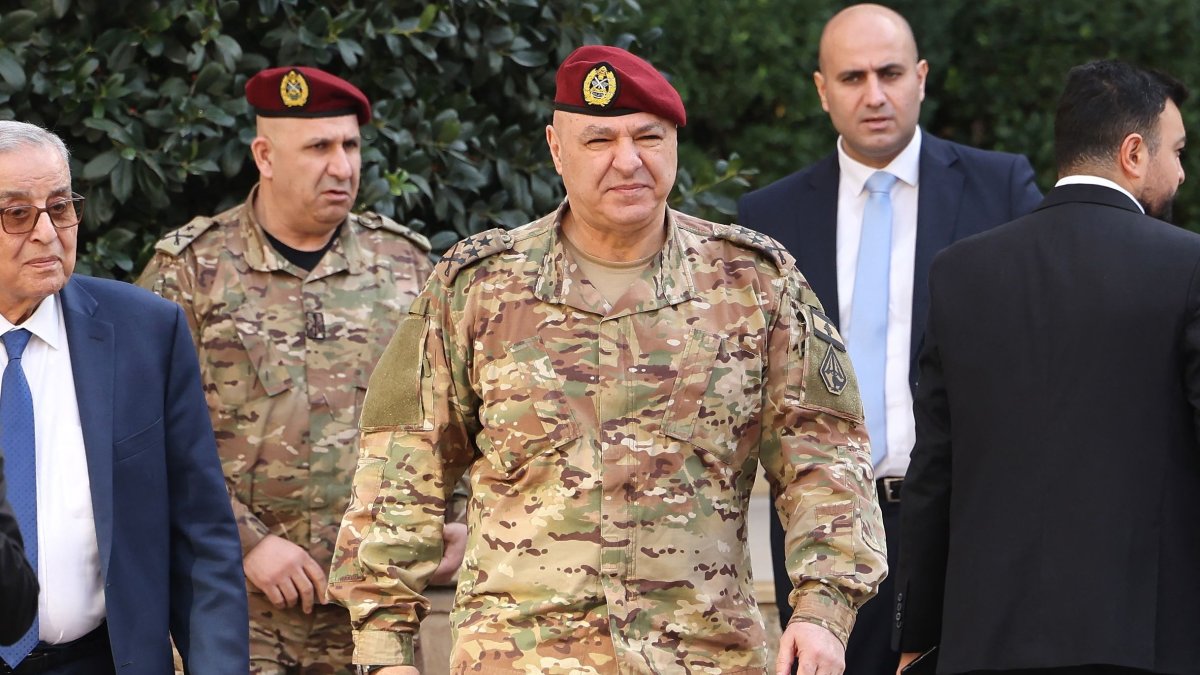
point(286, 355)
point(611, 453)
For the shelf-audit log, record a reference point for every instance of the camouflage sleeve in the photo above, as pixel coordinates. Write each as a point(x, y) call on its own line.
point(174, 278)
point(414, 447)
point(817, 459)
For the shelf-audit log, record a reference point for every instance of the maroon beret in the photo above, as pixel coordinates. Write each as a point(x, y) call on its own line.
point(297, 91)
point(609, 81)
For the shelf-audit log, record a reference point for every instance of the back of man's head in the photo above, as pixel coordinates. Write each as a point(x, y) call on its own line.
point(1103, 103)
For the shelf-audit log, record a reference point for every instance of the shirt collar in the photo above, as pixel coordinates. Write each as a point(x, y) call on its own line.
point(44, 322)
point(905, 166)
point(1085, 179)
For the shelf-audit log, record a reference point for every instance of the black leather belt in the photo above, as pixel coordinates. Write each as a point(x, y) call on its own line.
point(889, 489)
point(46, 657)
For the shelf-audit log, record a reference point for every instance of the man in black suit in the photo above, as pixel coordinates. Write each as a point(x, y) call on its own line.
point(18, 583)
point(1049, 512)
point(871, 83)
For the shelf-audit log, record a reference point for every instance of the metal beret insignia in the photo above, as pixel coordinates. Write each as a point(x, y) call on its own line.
point(600, 85)
point(293, 89)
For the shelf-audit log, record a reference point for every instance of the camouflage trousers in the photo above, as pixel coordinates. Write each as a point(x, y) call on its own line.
point(290, 642)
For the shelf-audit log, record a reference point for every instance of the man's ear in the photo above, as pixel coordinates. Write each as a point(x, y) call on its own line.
point(555, 148)
point(1133, 157)
point(261, 151)
point(819, 80)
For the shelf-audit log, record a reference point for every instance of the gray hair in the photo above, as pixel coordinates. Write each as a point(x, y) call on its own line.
point(15, 135)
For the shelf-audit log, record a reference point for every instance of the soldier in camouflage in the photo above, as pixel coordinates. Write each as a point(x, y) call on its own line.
point(609, 377)
point(291, 300)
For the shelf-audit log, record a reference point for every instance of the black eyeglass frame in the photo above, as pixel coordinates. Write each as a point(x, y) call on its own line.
point(76, 200)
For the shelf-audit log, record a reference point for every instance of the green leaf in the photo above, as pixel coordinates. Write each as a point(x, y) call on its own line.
point(427, 16)
point(60, 8)
point(228, 50)
point(17, 26)
point(122, 181)
point(11, 70)
point(101, 165)
point(530, 58)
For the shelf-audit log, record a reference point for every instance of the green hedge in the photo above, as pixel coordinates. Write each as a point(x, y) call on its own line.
point(148, 94)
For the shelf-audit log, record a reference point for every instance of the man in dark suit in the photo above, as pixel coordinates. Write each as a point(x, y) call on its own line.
point(1049, 512)
point(18, 583)
point(109, 455)
point(871, 83)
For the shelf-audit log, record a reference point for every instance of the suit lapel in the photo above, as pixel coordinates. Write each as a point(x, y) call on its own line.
point(938, 197)
point(92, 350)
point(815, 244)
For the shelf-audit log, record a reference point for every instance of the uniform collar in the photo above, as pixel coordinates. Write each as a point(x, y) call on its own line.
point(261, 256)
point(667, 280)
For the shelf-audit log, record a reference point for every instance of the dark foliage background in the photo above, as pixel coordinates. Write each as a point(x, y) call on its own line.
point(148, 93)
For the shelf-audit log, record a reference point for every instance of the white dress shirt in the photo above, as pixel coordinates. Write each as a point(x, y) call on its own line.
point(1084, 179)
point(852, 201)
point(71, 602)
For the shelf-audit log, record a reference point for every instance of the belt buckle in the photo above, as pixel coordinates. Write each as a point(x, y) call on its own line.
point(892, 486)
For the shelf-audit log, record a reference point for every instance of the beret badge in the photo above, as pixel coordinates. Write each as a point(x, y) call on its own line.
point(293, 89)
point(600, 85)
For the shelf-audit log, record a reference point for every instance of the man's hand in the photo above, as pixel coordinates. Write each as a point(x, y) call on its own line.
point(399, 670)
point(454, 541)
point(905, 659)
point(285, 573)
point(816, 651)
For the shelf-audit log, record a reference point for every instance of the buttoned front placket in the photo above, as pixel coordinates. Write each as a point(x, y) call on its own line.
point(625, 385)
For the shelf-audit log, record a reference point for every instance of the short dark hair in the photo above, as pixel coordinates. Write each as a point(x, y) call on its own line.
point(1105, 101)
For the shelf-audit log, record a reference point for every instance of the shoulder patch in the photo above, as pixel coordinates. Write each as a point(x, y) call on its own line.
point(378, 222)
point(758, 241)
point(471, 250)
point(174, 242)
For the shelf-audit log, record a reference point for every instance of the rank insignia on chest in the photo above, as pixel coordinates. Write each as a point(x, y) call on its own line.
point(832, 373)
point(293, 89)
point(600, 85)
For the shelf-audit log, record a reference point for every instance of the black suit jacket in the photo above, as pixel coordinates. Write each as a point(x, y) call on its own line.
point(1050, 508)
point(18, 582)
point(962, 191)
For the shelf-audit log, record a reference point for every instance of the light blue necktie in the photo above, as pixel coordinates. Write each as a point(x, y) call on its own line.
point(868, 315)
point(20, 467)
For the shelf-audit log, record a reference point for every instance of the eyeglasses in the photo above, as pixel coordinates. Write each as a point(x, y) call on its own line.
point(64, 214)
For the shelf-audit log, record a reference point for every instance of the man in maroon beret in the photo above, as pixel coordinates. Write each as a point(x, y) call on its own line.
point(291, 299)
point(610, 377)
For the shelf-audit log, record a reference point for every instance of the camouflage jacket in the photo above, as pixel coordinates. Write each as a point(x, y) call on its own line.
point(285, 356)
point(611, 454)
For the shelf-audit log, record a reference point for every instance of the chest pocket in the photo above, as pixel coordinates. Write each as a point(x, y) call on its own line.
point(717, 395)
point(821, 377)
point(244, 359)
point(524, 412)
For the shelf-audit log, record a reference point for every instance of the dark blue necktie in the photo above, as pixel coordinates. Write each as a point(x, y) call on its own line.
point(20, 467)
point(867, 340)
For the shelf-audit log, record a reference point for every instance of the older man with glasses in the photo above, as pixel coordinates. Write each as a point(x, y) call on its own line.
point(109, 457)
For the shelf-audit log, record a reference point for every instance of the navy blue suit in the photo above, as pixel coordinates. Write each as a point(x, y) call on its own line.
point(962, 191)
point(169, 550)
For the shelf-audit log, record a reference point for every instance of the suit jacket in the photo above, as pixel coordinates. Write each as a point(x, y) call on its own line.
point(169, 550)
point(18, 582)
point(962, 191)
point(1049, 510)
